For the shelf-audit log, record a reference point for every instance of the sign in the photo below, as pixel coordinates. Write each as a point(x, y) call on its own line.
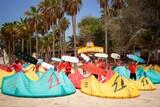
point(89, 44)
point(90, 48)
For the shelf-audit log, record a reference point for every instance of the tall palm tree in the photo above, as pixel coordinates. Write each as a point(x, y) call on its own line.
point(105, 5)
point(9, 33)
point(72, 7)
point(24, 31)
point(64, 24)
point(118, 5)
point(49, 9)
point(34, 16)
point(45, 44)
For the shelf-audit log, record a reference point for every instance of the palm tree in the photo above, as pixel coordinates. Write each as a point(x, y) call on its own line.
point(104, 4)
point(9, 34)
point(49, 9)
point(34, 18)
point(45, 44)
point(72, 7)
point(24, 31)
point(64, 24)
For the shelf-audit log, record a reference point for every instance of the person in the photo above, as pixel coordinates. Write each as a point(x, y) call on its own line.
point(34, 55)
point(119, 62)
point(100, 64)
point(6, 58)
point(60, 66)
point(132, 67)
point(68, 67)
point(17, 65)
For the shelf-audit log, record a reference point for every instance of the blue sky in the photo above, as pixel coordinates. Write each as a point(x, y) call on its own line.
point(11, 10)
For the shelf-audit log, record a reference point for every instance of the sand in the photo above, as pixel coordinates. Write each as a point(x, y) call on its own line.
point(147, 99)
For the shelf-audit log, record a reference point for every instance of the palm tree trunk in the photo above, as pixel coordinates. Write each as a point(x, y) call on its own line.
point(13, 46)
point(64, 42)
point(149, 57)
point(61, 44)
point(30, 45)
point(9, 51)
point(13, 49)
point(46, 55)
point(3, 51)
point(60, 38)
point(22, 45)
point(74, 33)
point(37, 44)
point(4, 62)
point(27, 46)
point(106, 34)
point(53, 44)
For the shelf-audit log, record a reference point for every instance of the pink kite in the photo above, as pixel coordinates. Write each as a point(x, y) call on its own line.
point(5, 68)
point(76, 79)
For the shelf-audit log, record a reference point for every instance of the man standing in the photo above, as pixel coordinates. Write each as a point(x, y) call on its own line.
point(132, 67)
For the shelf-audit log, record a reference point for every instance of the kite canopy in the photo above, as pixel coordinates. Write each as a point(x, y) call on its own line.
point(4, 74)
point(51, 84)
point(40, 61)
point(115, 56)
point(70, 59)
point(101, 55)
point(47, 66)
point(5, 68)
point(156, 68)
point(142, 82)
point(76, 79)
point(26, 57)
point(153, 75)
point(85, 57)
point(135, 58)
point(122, 71)
point(115, 87)
point(56, 59)
point(92, 68)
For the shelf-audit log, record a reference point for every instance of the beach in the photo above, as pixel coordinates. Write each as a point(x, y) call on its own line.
point(78, 99)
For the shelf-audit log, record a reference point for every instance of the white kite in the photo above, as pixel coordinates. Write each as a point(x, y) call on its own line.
point(85, 57)
point(70, 59)
point(101, 55)
point(115, 56)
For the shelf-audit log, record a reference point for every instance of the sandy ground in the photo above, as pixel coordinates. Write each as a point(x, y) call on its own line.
point(147, 99)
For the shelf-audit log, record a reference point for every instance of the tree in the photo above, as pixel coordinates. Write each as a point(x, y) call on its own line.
point(64, 24)
point(91, 30)
point(105, 5)
point(70, 42)
point(51, 10)
point(9, 33)
point(24, 32)
point(46, 45)
point(34, 17)
point(72, 7)
point(141, 21)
